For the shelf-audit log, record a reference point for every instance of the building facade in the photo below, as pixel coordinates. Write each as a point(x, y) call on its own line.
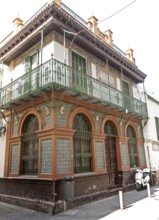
point(2, 132)
point(2, 148)
point(151, 134)
point(72, 109)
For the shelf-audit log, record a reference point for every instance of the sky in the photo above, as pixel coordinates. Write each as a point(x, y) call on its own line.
point(134, 27)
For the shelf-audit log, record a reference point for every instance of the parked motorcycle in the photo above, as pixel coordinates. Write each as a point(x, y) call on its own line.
point(142, 178)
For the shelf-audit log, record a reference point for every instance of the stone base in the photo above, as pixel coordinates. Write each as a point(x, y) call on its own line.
point(47, 195)
point(41, 206)
point(48, 207)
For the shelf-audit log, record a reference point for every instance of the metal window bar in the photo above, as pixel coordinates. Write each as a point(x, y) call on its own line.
point(30, 146)
point(82, 144)
point(55, 74)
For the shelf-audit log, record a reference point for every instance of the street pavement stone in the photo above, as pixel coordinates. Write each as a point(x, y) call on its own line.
point(137, 205)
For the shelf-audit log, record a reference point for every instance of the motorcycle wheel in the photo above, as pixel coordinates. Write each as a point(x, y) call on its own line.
point(138, 187)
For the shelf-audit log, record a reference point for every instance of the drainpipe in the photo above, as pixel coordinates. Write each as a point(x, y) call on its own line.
point(145, 98)
point(149, 161)
point(107, 65)
point(41, 55)
point(64, 44)
point(42, 43)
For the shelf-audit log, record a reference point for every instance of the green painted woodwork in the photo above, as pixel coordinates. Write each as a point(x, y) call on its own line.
point(54, 75)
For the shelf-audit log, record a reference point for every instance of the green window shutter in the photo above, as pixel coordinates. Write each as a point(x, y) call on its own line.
point(126, 96)
point(27, 64)
point(125, 88)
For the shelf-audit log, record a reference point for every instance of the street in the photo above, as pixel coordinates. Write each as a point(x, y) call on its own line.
point(91, 211)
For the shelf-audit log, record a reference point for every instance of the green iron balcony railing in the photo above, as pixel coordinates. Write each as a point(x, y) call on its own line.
point(54, 75)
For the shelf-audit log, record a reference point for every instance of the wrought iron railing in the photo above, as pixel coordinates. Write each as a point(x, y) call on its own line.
point(56, 75)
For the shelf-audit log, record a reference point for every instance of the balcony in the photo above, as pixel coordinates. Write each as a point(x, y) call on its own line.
point(56, 76)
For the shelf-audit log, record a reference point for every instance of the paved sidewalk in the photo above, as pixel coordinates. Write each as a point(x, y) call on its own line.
point(137, 205)
point(147, 209)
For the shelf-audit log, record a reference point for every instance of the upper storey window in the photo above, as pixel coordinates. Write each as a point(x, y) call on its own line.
point(78, 63)
point(31, 62)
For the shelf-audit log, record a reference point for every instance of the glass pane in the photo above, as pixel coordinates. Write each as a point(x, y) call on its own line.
point(30, 146)
point(132, 148)
point(82, 144)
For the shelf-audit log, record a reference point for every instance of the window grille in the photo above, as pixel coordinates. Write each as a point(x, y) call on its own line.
point(82, 144)
point(132, 147)
point(30, 146)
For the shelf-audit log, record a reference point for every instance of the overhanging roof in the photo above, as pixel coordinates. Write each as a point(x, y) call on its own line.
point(54, 17)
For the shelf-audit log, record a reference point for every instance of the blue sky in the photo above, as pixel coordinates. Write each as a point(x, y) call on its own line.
point(135, 27)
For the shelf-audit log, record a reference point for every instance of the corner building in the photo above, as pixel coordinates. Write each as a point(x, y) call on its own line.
point(72, 109)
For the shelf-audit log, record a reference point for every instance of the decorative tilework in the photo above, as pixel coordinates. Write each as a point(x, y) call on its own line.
point(15, 127)
point(98, 117)
point(142, 155)
point(61, 116)
point(48, 120)
point(14, 159)
point(63, 156)
point(99, 121)
point(16, 120)
point(46, 156)
point(99, 149)
point(124, 155)
point(47, 114)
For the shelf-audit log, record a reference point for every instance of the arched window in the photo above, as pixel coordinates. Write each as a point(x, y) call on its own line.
point(110, 150)
point(109, 129)
point(82, 144)
point(30, 146)
point(132, 147)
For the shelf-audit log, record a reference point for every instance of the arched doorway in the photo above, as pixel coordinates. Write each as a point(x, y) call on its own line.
point(82, 144)
point(110, 150)
point(29, 152)
point(132, 149)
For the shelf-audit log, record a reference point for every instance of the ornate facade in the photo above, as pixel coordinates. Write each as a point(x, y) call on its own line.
point(72, 109)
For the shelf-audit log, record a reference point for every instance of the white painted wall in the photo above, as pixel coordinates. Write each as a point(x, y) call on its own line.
point(59, 52)
point(150, 135)
point(118, 83)
point(47, 51)
point(18, 71)
point(52, 48)
point(6, 77)
point(93, 71)
point(150, 128)
point(138, 92)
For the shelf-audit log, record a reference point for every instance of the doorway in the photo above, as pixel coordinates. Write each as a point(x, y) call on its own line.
point(111, 155)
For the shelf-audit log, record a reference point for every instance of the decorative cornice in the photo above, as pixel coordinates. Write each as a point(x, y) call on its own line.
point(63, 18)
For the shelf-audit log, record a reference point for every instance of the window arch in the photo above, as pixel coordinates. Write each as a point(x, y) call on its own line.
point(133, 158)
point(30, 146)
point(82, 144)
point(110, 129)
